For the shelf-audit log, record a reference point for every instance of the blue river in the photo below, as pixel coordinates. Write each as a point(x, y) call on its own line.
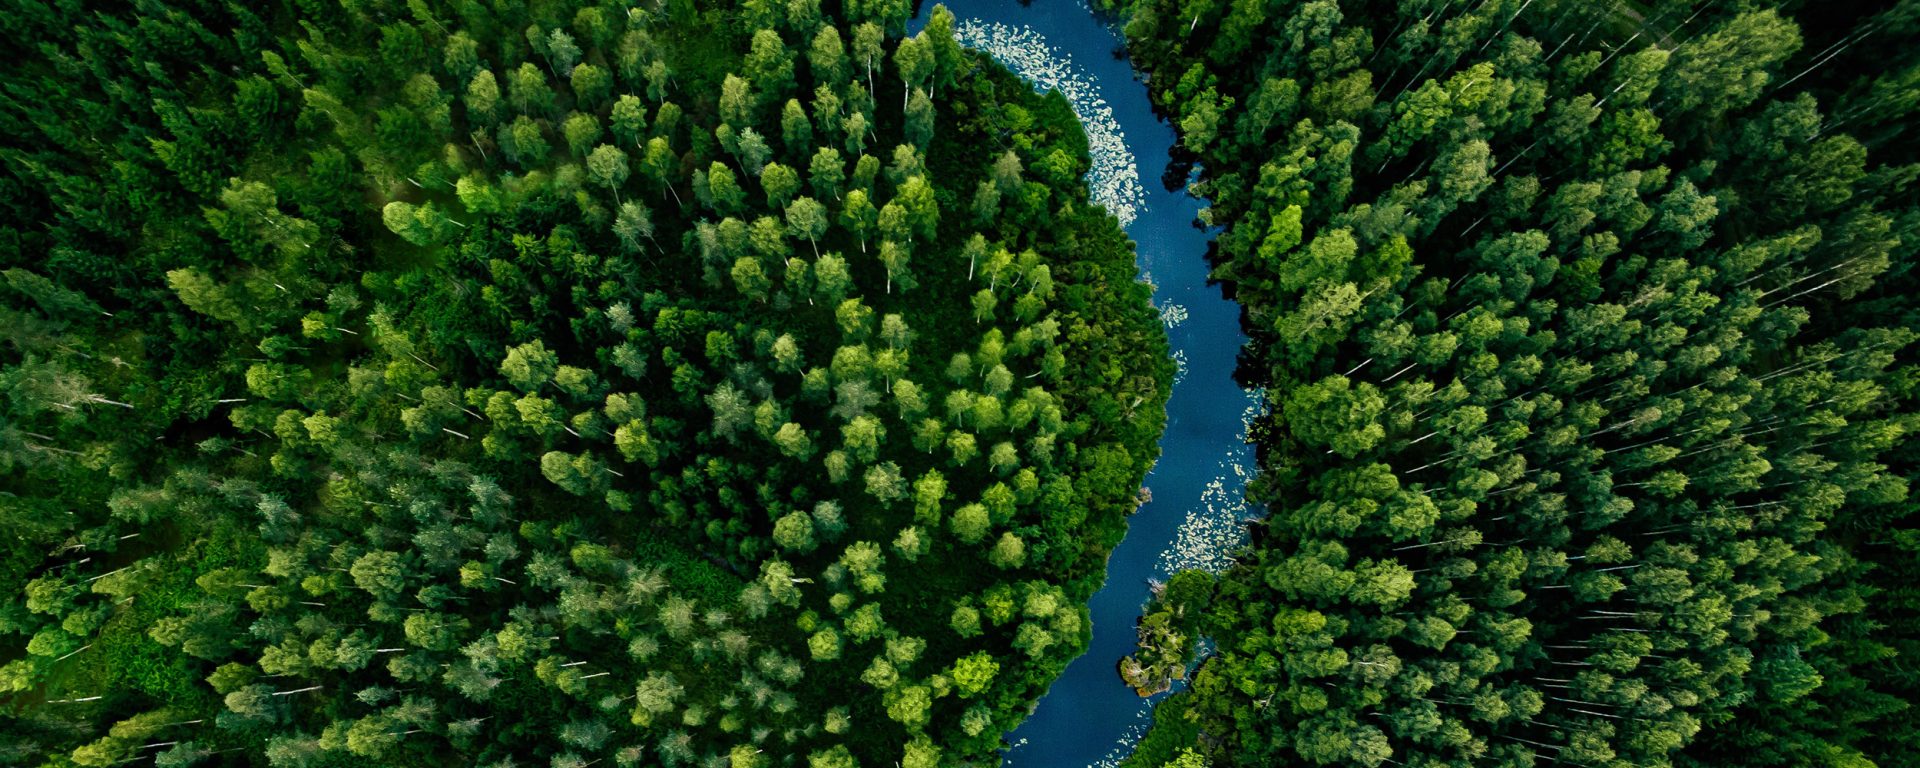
point(1089, 717)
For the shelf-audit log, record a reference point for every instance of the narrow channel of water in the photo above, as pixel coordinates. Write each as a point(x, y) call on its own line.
point(1089, 717)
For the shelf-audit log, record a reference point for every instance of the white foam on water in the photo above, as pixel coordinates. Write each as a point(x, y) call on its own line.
point(1114, 180)
point(1211, 533)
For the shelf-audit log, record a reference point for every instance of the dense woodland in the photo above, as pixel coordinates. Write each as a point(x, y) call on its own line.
point(1587, 330)
point(529, 382)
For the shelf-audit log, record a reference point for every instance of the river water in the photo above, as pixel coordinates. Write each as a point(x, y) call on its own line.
point(1089, 717)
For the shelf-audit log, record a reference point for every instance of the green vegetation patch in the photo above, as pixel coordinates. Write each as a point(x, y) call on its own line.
point(556, 382)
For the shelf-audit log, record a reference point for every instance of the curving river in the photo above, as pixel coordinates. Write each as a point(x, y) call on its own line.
point(1089, 717)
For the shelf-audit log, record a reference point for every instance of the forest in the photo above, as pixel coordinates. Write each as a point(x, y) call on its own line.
point(547, 382)
point(1587, 333)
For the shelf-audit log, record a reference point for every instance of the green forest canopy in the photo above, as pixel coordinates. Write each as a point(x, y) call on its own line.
point(560, 383)
point(1587, 331)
